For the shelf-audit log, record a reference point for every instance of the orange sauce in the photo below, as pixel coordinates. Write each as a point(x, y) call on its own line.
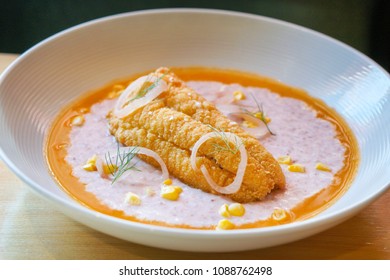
point(58, 140)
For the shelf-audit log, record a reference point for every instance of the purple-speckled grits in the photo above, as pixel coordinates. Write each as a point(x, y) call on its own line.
point(299, 134)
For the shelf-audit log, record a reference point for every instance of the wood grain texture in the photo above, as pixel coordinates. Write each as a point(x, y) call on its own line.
point(31, 228)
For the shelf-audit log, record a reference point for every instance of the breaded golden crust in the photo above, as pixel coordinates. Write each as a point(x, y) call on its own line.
point(178, 163)
point(172, 124)
point(187, 101)
point(183, 132)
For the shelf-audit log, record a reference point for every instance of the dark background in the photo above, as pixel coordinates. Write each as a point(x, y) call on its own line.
point(362, 24)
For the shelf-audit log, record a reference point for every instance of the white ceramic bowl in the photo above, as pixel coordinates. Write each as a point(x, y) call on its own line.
point(45, 78)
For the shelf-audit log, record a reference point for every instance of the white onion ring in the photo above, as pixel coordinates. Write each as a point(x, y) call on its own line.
point(99, 166)
point(121, 110)
point(259, 131)
point(226, 109)
point(139, 150)
point(236, 184)
point(233, 113)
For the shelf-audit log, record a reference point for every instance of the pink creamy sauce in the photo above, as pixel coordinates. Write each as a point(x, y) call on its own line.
point(299, 134)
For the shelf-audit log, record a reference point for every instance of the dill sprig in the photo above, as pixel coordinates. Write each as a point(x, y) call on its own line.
point(226, 147)
point(259, 114)
point(145, 88)
point(122, 163)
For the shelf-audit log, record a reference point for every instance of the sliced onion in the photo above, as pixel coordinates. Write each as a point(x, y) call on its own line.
point(122, 109)
point(233, 113)
point(99, 166)
point(226, 109)
point(259, 131)
point(139, 150)
point(236, 184)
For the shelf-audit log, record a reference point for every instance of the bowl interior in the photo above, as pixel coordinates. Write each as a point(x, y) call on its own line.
point(50, 75)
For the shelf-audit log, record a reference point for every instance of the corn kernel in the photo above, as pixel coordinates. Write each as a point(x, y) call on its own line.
point(238, 95)
point(178, 189)
point(118, 87)
point(167, 182)
point(323, 167)
point(109, 168)
point(116, 91)
point(149, 191)
point(279, 214)
point(225, 225)
point(114, 94)
point(224, 211)
point(132, 199)
point(77, 120)
point(92, 159)
point(296, 168)
point(285, 160)
point(261, 116)
point(91, 164)
point(89, 167)
point(249, 124)
point(83, 110)
point(236, 209)
point(258, 115)
point(171, 192)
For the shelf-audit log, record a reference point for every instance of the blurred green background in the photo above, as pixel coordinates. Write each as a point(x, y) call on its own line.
point(362, 24)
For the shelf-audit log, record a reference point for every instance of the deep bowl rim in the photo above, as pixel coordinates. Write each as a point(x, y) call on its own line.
point(296, 226)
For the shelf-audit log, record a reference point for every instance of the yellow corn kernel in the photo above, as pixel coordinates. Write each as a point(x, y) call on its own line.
point(285, 160)
point(323, 167)
point(279, 214)
point(112, 95)
point(83, 110)
point(149, 191)
point(118, 87)
point(225, 225)
point(224, 211)
point(77, 120)
point(91, 164)
point(92, 159)
point(167, 182)
point(236, 209)
point(170, 192)
point(109, 168)
point(89, 167)
point(116, 91)
point(132, 199)
point(260, 116)
point(296, 168)
point(238, 95)
point(249, 124)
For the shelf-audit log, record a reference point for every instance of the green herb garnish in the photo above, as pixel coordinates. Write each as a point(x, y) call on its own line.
point(227, 144)
point(259, 114)
point(146, 87)
point(122, 163)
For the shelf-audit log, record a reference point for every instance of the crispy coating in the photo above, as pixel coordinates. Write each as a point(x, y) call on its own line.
point(172, 124)
point(178, 162)
point(183, 131)
point(187, 101)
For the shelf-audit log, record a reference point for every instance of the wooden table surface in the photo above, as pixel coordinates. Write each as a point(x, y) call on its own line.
point(31, 229)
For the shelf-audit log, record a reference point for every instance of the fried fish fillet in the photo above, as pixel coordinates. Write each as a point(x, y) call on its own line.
point(187, 101)
point(172, 124)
